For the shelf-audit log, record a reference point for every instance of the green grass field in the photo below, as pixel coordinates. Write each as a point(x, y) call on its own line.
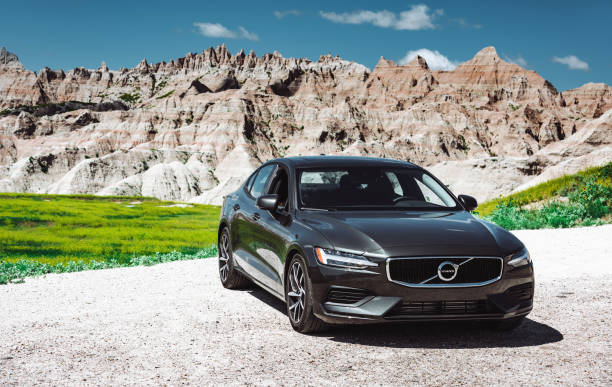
point(57, 229)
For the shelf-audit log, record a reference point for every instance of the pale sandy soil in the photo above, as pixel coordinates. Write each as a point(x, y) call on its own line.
point(173, 323)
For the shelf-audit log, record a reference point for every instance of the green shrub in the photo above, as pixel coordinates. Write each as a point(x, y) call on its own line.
point(462, 144)
point(129, 98)
point(594, 197)
point(589, 204)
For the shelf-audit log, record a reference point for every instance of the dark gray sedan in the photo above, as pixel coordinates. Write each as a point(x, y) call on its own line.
point(365, 240)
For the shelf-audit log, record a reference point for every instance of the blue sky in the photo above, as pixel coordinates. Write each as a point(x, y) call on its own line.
point(567, 42)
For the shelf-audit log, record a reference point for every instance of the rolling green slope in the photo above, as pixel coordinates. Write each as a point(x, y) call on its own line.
point(581, 199)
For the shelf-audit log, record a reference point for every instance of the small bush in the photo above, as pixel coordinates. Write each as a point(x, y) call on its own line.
point(594, 197)
point(462, 144)
point(129, 98)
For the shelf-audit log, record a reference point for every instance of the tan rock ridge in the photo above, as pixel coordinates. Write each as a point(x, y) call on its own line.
point(194, 127)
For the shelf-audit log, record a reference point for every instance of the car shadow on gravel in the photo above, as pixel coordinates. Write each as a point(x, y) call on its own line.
point(433, 335)
point(269, 299)
point(460, 335)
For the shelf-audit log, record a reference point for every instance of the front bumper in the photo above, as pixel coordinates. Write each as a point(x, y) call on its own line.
point(370, 297)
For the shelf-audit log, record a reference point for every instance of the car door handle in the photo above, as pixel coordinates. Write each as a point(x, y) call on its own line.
point(236, 207)
point(256, 216)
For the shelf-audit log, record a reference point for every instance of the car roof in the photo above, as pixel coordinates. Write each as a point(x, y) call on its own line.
point(341, 161)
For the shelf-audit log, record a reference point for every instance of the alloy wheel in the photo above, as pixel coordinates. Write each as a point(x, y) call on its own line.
point(297, 293)
point(224, 256)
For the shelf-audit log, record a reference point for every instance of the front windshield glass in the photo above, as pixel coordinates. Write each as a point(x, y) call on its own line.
point(371, 188)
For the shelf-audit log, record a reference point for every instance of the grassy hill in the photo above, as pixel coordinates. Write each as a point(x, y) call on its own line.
point(49, 233)
point(581, 199)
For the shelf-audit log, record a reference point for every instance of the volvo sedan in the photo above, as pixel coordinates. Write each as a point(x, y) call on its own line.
point(366, 240)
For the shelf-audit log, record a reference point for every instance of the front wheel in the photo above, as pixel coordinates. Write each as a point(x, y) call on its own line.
point(298, 295)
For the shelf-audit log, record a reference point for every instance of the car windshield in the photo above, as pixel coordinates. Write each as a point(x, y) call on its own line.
point(363, 188)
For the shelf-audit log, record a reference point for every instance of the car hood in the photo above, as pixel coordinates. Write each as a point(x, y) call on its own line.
point(398, 233)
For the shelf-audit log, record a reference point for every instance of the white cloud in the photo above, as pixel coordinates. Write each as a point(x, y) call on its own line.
point(216, 30)
point(465, 24)
point(418, 17)
point(247, 35)
point(518, 60)
point(380, 19)
point(435, 60)
point(282, 14)
point(573, 62)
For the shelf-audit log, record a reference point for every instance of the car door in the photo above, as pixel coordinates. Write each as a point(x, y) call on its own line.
point(238, 222)
point(273, 232)
point(247, 238)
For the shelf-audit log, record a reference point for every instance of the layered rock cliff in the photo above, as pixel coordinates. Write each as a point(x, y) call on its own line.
point(193, 128)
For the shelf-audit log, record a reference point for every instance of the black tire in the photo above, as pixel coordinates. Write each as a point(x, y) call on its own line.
point(298, 297)
point(229, 276)
point(508, 325)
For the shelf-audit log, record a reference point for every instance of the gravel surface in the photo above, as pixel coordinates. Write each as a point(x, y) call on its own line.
point(174, 323)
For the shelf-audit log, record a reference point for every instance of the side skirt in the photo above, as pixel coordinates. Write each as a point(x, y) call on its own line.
point(261, 285)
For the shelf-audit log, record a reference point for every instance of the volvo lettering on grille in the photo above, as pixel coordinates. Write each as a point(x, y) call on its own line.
point(447, 271)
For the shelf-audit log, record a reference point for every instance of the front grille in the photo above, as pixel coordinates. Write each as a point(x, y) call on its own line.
point(340, 295)
point(435, 308)
point(424, 271)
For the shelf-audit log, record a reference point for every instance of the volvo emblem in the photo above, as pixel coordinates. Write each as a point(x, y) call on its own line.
point(447, 271)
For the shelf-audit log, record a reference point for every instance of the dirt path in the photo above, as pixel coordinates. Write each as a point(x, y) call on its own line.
point(174, 323)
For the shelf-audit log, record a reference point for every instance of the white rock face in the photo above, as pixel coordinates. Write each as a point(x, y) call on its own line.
point(215, 195)
point(130, 186)
point(194, 128)
point(596, 158)
point(173, 181)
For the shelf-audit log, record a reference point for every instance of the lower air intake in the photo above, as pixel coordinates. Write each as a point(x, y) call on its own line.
point(436, 308)
point(340, 295)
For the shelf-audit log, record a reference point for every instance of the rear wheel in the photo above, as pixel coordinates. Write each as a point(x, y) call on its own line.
point(230, 277)
point(298, 295)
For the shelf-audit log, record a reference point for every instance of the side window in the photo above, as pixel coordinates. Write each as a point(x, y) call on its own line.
point(280, 187)
point(429, 195)
point(249, 182)
point(260, 181)
point(397, 187)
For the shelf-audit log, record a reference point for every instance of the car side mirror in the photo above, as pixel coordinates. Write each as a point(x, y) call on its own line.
point(267, 202)
point(468, 202)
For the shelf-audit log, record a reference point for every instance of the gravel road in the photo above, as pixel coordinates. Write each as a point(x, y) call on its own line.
point(174, 323)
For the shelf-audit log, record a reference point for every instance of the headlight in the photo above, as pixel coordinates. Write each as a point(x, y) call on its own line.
point(342, 259)
point(519, 259)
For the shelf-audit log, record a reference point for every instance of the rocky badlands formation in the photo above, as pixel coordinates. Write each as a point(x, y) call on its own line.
point(193, 128)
